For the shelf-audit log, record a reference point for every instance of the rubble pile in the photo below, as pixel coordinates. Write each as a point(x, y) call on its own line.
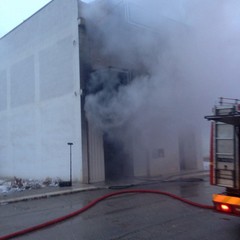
point(19, 184)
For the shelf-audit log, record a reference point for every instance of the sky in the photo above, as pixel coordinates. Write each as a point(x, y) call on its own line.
point(13, 12)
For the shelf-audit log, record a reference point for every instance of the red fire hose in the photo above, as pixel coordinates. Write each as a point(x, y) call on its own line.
point(94, 202)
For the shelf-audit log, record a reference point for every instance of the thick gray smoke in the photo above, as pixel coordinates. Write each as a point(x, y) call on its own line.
point(184, 54)
point(112, 103)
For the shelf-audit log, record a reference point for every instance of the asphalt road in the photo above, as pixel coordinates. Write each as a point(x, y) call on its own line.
point(130, 216)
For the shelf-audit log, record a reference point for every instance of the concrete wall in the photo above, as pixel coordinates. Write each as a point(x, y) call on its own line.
point(159, 156)
point(39, 95)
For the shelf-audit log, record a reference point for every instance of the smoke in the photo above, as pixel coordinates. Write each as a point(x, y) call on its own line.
point(183, 55)
point(111, 103)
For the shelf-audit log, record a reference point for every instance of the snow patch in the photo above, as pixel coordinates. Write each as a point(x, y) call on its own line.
point(8, 186)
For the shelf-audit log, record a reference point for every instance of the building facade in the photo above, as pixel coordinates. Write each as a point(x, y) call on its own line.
point(46, 64)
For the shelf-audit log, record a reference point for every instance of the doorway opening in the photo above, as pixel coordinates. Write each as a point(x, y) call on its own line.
point(118, 163)
point(104, 88)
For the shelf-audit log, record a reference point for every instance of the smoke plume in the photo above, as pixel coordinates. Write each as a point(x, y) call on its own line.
point(183, 55)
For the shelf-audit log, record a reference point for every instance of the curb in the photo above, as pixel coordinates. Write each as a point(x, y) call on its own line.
point(90, 188)
point(47, 195)
point(188, 175)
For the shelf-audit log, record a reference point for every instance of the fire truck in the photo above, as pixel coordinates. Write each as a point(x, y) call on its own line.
point(225, 154)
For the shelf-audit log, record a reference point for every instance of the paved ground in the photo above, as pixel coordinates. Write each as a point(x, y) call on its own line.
point(132, 216)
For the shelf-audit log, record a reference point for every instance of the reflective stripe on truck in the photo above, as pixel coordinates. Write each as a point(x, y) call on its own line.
point(227, 204)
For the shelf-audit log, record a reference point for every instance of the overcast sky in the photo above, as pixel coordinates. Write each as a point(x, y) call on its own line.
point(13, 12)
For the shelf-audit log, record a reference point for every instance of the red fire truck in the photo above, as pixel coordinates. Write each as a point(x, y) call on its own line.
point(225, 154)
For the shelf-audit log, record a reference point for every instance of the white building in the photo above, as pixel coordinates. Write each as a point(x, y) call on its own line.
point(44, 70)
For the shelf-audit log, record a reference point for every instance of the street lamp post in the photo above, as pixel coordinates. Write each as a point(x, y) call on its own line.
point(68, 183)
point(70, 144)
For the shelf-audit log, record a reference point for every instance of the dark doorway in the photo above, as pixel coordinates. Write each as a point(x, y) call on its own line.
point(187, 151)
point(118, 163)
point(106, 86)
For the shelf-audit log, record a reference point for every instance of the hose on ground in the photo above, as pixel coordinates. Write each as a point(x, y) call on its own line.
point(94, 202)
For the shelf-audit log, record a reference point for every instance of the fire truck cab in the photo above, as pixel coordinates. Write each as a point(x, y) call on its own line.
point(224, 154)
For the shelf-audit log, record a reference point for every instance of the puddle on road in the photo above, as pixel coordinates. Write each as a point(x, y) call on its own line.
point(187, 191)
